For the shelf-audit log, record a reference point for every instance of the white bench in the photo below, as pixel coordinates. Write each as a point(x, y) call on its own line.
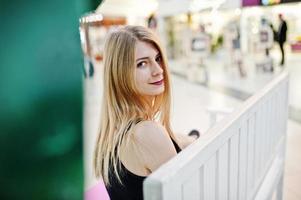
point(240, 158)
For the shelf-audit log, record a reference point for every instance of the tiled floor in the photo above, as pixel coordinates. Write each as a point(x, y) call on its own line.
point(292, 178)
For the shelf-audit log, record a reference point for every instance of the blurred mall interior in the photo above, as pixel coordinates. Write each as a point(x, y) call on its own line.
point(220, 53)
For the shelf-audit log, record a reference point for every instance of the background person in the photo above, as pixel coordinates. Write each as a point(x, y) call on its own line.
point(282, 37)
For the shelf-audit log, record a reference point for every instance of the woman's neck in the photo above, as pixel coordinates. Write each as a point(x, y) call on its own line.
point(149, 100)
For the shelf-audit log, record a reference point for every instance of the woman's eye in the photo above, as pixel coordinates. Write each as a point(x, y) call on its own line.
point(141, 64)
point(159, 59)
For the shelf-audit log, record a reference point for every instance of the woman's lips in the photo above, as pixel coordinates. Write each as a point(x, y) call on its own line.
point(157, 83)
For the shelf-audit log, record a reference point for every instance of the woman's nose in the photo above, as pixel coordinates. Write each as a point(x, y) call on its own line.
point(156, 69)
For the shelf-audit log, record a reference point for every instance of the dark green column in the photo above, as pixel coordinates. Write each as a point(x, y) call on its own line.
point(41, 99)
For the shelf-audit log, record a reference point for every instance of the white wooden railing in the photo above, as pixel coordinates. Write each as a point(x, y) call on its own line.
point(240, 158)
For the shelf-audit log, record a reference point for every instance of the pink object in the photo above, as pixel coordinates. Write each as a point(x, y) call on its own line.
point(97, 192)
point(296, 46)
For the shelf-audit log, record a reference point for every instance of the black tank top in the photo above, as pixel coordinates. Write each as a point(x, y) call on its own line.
point(132, 188)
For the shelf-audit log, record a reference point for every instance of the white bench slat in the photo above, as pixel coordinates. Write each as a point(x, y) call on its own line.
point(257, 139)
point(172, 190)
point(233, 167)
point(242, 186)
point(209, 178)
point(222, 180)
point(191, 188)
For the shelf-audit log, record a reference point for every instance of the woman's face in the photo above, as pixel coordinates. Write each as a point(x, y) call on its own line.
point(149, 70)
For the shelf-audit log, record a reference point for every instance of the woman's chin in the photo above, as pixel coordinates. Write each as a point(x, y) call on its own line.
point(158, 91)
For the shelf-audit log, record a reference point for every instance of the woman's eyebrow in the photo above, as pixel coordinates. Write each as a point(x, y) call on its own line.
point(146, 57)
point(142, 58)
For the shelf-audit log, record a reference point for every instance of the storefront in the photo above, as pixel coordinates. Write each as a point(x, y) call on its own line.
point(188, 17)
point(251, 17)
point(216, 16)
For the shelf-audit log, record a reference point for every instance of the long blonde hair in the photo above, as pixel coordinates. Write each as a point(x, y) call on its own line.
point(122, 105)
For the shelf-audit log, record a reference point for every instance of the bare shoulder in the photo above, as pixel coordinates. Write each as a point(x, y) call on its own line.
point(149, 130)
point(154, 144)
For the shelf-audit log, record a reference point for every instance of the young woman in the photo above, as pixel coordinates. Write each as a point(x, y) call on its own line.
point(135, 137)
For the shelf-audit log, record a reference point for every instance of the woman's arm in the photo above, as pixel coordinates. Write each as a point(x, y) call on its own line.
point(184, 140)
